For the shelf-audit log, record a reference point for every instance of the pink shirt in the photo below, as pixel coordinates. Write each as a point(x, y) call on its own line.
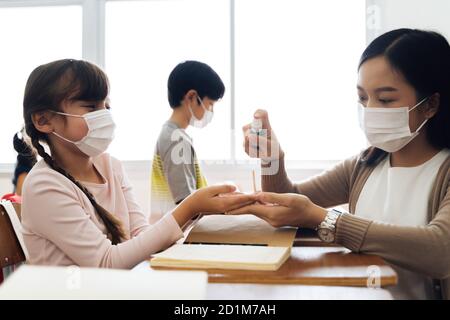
point(60, 225)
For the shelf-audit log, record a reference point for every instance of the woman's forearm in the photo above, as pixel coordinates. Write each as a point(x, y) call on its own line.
point(423, 249)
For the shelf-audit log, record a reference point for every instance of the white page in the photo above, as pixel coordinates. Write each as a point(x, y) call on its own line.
point(222, 256)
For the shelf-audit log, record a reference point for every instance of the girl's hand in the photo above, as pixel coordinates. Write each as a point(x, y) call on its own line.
point(266, 146)
point(213, 199)
point(285, 210)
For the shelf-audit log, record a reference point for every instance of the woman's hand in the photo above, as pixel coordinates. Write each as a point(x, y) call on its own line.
point(266, 146)
point(286, 209)
point(213, 199)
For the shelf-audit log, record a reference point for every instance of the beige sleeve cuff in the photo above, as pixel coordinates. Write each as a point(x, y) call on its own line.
point(351, 231)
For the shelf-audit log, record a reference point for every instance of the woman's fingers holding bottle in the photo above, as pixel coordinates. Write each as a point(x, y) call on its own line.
point(254, 142)
point(259, 139)
point(246, 132)
point(263, 116)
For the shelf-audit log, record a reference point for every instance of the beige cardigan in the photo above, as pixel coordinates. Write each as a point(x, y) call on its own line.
point(423, 249)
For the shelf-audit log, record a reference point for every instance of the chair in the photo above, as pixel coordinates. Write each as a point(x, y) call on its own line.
point(16, 201)
point(12, 247)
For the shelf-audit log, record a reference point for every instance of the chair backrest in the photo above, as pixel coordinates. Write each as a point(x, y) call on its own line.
point(16, 201)
point(12, 249)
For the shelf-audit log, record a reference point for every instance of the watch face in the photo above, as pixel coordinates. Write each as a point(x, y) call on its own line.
point(326, 235)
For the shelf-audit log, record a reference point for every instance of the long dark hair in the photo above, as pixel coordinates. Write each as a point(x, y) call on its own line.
point(47, 87)
point(26, 157)
point(423, 58)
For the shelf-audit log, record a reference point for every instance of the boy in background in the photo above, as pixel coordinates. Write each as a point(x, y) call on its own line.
point(193, 88)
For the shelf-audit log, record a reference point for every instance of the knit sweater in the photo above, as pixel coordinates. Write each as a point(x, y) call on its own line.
point(421, 249)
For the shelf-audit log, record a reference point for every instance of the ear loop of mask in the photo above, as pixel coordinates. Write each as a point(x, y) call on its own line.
point(70, 115)
point(425, 121)
point(422, 101)
point(202, 104)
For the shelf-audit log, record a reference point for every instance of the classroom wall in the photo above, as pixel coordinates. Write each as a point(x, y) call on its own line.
point(421, 14)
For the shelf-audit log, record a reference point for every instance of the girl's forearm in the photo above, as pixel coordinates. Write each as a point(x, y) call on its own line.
point(183, 213)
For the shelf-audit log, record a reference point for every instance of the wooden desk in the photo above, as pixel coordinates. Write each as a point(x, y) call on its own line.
point(314, 271)
point(309, 238)
point(243, 291)
point(329, 266)
point(238, 291)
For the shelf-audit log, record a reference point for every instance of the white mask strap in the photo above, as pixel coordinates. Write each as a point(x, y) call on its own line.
point(67, 114)
point(201, 103)
point(417, 104)
point(61, 137)
point(420, 127)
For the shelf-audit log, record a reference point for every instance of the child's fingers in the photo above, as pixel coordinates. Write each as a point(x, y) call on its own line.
point(239, 205)
point(238, 200)
point(223, 188)
point(241, 210)
point(255, 209)
point(230, 194)
point(283, 199)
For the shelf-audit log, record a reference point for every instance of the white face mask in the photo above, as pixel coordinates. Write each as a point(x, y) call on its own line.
point(101, 132)
point(388, 128)
point(207, 116)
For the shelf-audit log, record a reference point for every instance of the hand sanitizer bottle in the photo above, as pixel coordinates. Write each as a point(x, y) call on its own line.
point(257, 127)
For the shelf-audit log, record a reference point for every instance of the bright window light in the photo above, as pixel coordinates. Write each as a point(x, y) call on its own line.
point(145, 40)
point(298, 60)
point(30, 37)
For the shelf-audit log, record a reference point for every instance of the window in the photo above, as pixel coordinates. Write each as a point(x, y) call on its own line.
point(298, 60)
point(31, 36)
point(145, 40)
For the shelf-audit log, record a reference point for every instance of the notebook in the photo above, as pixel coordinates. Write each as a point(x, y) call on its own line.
point(205, 256)
point(39, 282)
point(242, 229)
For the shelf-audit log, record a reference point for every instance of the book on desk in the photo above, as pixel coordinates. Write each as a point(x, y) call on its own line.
point(306, 264)
point(230, 242)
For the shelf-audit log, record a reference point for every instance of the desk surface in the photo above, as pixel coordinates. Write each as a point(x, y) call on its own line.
point(243, 291)
point(329, 266)
point(238, 291)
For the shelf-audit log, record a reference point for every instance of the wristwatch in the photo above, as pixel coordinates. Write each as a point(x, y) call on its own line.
point(327, 228)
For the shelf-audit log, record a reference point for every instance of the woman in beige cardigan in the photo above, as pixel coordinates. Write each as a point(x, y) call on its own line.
point(398, 190)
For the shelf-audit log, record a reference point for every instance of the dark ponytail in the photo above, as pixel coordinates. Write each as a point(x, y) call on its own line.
point(26, 157)
point(49, 85)
point(423, 58)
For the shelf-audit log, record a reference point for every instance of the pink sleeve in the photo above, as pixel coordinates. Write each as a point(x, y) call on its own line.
point(62, 220)
point(138, 220)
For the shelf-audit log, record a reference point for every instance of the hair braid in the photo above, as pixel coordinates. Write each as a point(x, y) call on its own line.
point(114, 226)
